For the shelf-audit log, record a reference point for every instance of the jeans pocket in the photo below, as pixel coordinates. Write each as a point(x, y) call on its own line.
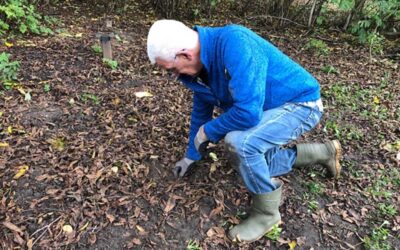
point(298, 132)
point(311, 120)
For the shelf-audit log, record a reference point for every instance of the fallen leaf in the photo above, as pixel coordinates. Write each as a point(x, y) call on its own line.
point(21, 171)
point(92, 238)
point(170, 205)
point(67, 229)
point(392, 147)
point(4, 144)
point(213, 156)
point(143, 94)
point(376, 100)
point(292, 244)
point(140, 229)
point(114, 170)
point(29, 244)
point(21, 90)
point(7, 44)
point(116, 101)
point(136, 241)
point(78, 35)
point(12, 227)
point(213, 168)
point(65, 34)
point(28, 97)
point(84, 226)
point(110, 217)
point(9, 130)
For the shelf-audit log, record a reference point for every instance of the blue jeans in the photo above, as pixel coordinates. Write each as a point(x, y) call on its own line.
point(257, 154)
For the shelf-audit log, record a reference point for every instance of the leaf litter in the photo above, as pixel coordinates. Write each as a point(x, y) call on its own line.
point(103, 167)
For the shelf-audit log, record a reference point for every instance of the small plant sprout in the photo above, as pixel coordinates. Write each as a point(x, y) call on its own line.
point(86, 97)
point(313, 205)
point(110, 63)
point(315, 188)
point(96, 49)
point(329, 69)
point(47, 87)
point(275, 233)
point(193, 245)
point(387, 210)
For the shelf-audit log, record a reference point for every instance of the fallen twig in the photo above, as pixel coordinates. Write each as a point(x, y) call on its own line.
point(276, 17)
point(43, 228)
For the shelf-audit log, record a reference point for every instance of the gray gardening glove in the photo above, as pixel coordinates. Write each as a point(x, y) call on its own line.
point(201, 141)
point(183, 167)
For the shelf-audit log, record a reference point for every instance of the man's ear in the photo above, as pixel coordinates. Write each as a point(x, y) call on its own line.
point(186, 54)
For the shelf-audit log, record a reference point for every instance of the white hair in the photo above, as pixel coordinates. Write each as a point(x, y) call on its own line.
point(168, 37)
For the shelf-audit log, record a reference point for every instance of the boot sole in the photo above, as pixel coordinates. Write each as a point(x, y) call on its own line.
point(236, 239)
point(338, 156)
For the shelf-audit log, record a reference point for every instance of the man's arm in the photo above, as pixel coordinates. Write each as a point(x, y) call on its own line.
point(201, 113)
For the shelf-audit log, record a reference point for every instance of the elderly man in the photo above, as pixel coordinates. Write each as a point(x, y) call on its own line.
point(268, 100)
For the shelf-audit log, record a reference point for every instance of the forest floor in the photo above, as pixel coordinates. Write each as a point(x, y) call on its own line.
point(95, 159)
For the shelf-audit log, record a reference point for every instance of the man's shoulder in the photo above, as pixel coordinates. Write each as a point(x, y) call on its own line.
point(235, 29)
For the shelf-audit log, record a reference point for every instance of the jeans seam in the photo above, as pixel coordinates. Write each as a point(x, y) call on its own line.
point(245, 142)
point(305, 121)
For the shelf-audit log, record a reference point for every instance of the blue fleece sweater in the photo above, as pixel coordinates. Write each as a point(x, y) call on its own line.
point(246, 76)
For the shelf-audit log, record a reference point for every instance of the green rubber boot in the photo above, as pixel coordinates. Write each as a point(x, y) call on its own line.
point(263, 215)
point(327, 154)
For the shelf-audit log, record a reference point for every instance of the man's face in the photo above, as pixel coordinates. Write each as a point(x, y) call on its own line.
point(182, 64)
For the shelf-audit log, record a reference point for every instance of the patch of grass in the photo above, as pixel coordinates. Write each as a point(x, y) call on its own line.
point(275, 233)
point(9, 85)
point(380, 182)
point(370, 101)
point(193, 245)
point(318, 46)
point(86, 97)
point(313, 205)
point(58, 144)
point(344, 133)
point(350, 165)
point(110, 63)
point(315, 188)
point(333, 128)
point(387, 210)
point(329, 69)
point(378, 238)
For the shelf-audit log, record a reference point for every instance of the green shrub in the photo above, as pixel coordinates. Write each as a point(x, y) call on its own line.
point(21, 17)
point(8, 69)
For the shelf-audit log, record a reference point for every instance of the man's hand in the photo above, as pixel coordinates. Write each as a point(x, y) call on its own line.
point(183, 166)
point(201, 141)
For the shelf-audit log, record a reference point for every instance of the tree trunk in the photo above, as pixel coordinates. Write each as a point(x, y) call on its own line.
point(358, 6)
point(315, 11)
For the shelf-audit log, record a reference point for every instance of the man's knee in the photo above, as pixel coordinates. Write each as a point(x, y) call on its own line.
point(232, 145)
point(246, 144)
point(233, 140)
